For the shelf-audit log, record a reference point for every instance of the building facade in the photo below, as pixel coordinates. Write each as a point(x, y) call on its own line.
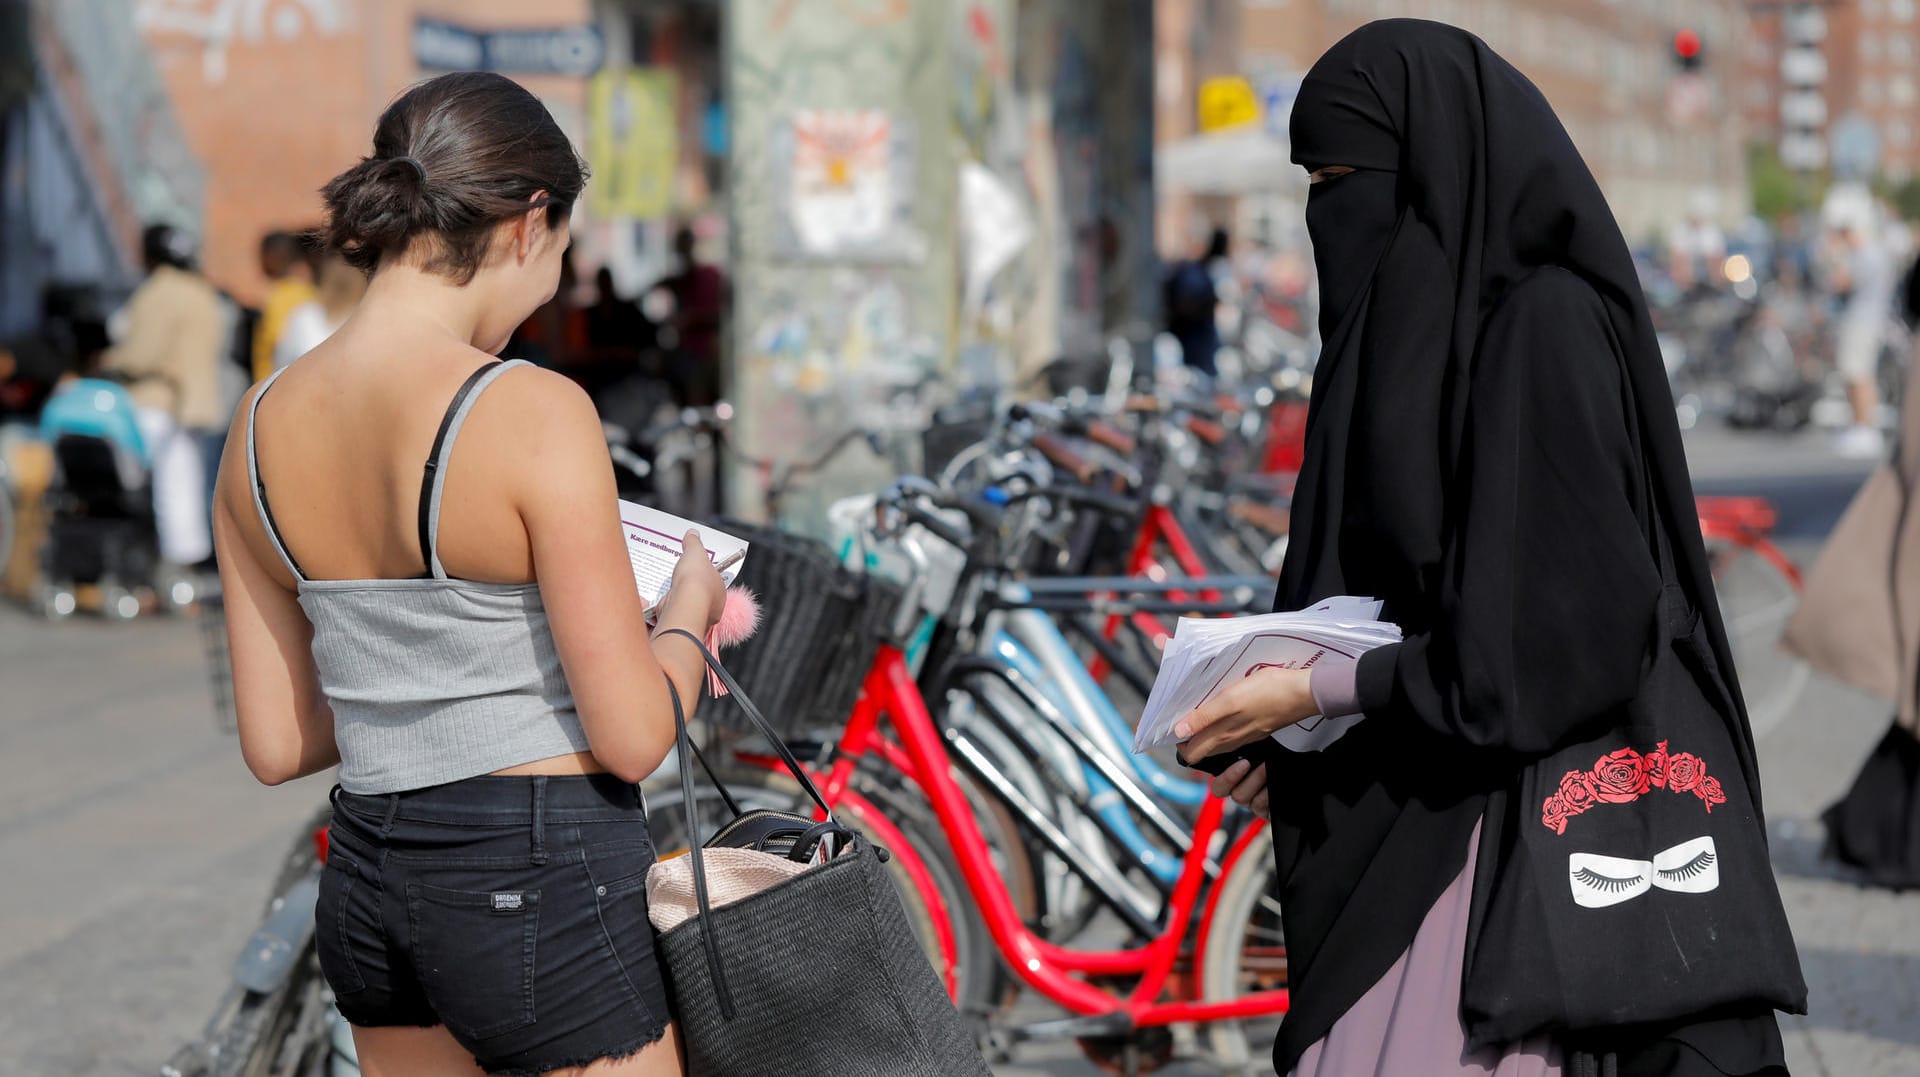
point(278, 96)
point(1654, 140)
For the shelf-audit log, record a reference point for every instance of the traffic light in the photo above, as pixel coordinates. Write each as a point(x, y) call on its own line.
point(1686, 50)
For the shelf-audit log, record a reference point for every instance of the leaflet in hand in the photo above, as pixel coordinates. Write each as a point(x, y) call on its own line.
point(654, 542)
point(1207, 655)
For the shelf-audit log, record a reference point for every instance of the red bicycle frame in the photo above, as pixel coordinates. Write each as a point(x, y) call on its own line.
point(1746, 522)
point(1159, 526)
point(1057, 972)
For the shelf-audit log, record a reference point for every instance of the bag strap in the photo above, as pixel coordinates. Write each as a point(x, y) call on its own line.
point(683, 742)
point(715, 968)
point(758, 720)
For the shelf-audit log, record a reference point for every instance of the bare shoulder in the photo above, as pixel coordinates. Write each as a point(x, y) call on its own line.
point(542, 430)
point(540, 410)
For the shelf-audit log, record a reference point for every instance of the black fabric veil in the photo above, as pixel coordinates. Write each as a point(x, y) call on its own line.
point(1467, 186)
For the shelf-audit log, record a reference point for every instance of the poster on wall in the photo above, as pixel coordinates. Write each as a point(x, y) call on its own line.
point(633, 142)
point(848, 187)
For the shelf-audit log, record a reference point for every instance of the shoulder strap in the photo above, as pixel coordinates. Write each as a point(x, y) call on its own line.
point(433, 482)
point(260, 488)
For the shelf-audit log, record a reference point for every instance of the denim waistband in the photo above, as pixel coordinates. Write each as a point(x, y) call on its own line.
point(501, 799)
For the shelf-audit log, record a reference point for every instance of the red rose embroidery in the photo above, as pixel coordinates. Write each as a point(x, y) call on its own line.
point(1620, 776)
point(1684, 772)
point(1576, 789)
point(1657, 766)
point(1554, 814)
point(1709, 790)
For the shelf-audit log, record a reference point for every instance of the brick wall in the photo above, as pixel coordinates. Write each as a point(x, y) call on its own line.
point(290, 100)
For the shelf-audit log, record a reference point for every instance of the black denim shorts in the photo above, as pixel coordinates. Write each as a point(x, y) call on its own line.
point(513, 910)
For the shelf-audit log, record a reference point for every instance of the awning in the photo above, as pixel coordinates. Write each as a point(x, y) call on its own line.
point(1243, 160)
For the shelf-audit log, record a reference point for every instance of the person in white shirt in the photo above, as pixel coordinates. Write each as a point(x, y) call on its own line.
point(1863, 268)
point(338, 288)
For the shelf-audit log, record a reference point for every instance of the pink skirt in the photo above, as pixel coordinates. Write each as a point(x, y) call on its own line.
point(1409, 1020)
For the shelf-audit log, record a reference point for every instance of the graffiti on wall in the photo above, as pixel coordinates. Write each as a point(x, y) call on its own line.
point(220, 23)
point(848, 175)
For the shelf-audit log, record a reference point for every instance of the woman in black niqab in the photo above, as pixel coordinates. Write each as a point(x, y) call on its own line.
point(1490, 443)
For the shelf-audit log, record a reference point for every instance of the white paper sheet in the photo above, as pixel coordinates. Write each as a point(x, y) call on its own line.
point(1206, 656)
point(655, 539)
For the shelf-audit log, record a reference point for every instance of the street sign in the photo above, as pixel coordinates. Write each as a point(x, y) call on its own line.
point(1228, 101)
point(562, 50)
point(1276, 102)
point(1688, 98)
point(1855, 144)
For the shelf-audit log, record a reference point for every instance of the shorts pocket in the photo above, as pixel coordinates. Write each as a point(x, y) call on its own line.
point(620, 896)
point(337, 927)
point(474, 953)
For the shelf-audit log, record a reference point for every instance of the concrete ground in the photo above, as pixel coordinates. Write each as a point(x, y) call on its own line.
point(137, 851)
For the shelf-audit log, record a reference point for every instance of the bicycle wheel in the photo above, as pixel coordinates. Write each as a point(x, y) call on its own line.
point(1756, 600)
point(282, 1032)
point(1246, 951)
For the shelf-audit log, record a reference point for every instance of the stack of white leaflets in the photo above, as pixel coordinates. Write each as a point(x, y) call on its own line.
point(1207, 655)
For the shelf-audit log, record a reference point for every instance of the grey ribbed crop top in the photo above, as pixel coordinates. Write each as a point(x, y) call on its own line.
point(434, 679)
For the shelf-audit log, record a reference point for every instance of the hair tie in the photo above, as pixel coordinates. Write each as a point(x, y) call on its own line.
point(415, 162)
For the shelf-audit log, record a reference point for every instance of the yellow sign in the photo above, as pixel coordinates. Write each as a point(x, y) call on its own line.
point(633, 143)
point(1228, 102)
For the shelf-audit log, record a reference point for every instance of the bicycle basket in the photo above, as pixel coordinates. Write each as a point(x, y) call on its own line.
point(820, 625)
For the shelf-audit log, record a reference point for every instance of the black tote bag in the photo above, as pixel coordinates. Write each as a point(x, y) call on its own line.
point(819, 974)
point(1626, 880)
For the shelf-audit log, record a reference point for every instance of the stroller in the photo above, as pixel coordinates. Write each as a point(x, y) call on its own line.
point(101, 528)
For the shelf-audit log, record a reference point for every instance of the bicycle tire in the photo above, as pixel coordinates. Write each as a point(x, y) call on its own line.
point(255, 1040)
point(7, 519)
point(266, 1038)
point(1232, 965)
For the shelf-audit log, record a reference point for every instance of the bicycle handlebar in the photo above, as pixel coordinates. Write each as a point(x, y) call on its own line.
point(1061, 456)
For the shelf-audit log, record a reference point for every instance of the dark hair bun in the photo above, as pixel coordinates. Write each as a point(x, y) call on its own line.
point(377, 205)
point(452, 157)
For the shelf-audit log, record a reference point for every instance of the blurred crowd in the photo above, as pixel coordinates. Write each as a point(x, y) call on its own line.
point(1802, 320)
point(157, 377)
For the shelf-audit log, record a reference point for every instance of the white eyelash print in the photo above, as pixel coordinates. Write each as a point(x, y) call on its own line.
point(1597, 881)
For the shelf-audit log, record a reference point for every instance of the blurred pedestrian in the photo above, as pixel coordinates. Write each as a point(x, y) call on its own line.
point(1504, 866)
point(1862, 271)
point(699, 312)
point(617, 330)
point(1859, 622)
point(426, 585)
point(169, 351)
point(338, 287)
point(283, 260)
point(1192, 303)
point(555, 334)
point(1697, 247)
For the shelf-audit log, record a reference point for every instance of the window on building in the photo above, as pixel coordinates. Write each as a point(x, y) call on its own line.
point(1900, 52)
point(1871, 9)
point(1901, 10)
point(1899, 133)
point(1900, 92)
point(1871, 93)
point(1869, 48)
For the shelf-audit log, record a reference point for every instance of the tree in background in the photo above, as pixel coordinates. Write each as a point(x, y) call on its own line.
point(1778, 190)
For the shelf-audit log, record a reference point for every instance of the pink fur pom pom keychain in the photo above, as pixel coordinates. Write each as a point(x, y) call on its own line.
point(739, 619)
